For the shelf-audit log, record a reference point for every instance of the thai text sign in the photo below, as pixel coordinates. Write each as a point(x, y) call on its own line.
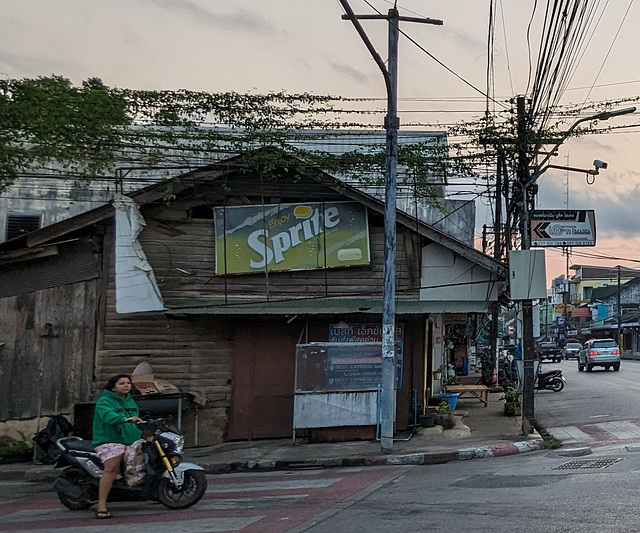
point(275, 237)
point(338, 366)
point(563, 227)
point(369, 333)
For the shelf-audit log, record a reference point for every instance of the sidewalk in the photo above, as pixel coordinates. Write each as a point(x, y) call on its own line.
point(480, 432)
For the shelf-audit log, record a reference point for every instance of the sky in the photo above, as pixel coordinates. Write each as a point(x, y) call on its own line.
point(258, 46)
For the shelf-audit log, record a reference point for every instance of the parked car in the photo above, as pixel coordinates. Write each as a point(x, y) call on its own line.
point(549, 350)
point(599, 352)
point(571, 350)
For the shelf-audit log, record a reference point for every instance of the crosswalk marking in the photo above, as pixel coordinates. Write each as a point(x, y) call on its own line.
point(602, 431)
point(179, 526)
point(274, 502)
point(245, 503)
point(621, 430)
point(273, 485)
point(569, 433)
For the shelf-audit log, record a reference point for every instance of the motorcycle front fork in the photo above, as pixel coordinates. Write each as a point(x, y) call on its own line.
point(167, 464)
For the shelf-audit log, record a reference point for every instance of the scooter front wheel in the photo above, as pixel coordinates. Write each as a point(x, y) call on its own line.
point(193, 488)
point(556, 385)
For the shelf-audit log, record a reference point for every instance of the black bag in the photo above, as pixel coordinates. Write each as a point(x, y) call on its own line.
point(45, 440)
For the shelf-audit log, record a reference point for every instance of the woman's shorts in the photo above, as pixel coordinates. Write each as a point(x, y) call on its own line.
point(110, 450)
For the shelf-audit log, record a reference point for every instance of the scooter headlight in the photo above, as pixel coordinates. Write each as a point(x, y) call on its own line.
point(178, 441)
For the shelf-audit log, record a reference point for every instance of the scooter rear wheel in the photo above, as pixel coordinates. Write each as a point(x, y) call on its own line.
point(77, 477)
point(557, 385)
point(193, 488)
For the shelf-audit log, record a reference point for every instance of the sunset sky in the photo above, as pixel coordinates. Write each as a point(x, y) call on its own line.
point(304, 46)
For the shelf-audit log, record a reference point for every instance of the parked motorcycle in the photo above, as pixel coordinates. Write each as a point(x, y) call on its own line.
point(166, 478)
point(551, 379)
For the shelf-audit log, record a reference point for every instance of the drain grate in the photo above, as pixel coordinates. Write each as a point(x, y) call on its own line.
point(587, 464)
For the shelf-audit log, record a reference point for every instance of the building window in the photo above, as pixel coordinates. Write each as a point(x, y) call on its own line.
point(20, 224)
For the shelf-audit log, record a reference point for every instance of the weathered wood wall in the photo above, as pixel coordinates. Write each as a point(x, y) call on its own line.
point(47, 359)
point(197, 354)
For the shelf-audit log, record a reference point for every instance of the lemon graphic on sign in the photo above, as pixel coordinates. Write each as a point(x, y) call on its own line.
point(302, 211)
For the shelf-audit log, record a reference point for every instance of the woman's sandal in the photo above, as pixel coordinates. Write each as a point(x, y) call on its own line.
point(103, 514)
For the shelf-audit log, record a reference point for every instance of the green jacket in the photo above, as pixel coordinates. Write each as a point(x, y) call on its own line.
point(109, 419)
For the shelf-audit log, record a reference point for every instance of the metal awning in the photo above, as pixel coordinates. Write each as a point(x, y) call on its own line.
point(326, 306)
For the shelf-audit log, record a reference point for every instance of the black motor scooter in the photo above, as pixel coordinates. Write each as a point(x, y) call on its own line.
point(166, 478)
point(551, 379)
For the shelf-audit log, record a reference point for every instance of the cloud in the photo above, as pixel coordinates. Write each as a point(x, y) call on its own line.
point(347, 70)
point(241, 19)
point(616, 212)
point(15, 65)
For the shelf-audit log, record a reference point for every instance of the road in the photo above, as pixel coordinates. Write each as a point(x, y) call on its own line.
point(548, 490)
point(599, 407)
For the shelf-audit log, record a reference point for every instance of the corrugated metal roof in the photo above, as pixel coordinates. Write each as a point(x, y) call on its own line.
point(328, 306)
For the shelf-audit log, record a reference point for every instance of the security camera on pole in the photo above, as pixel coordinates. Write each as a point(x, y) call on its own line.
point(529, 264)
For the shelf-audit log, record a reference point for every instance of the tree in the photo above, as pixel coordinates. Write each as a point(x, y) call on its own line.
point(90, 130)
point(47, 122)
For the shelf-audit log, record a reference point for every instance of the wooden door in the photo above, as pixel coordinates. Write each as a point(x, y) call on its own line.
point(263, 382)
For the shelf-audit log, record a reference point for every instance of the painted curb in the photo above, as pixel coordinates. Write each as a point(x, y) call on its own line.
point(265, 465)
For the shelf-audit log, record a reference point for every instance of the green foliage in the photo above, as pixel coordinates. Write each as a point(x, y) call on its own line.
point(11, 447)
point(89, 130)
point(443, 408)
point(488, 365)
point(47, 121)
point(444, 415)
point(512, 397)
point(550, 442)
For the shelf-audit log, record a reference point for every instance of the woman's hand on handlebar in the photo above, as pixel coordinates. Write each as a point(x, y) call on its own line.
point(134, 420)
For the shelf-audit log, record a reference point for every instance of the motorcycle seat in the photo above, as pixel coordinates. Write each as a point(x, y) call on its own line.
point(79, 445)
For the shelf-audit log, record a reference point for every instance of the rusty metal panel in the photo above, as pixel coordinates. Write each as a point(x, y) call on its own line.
point(335, 409)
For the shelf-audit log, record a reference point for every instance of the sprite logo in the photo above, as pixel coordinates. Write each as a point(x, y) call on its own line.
point(307, 224)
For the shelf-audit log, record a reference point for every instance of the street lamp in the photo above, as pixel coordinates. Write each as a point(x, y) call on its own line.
point(540, 169)
point(605, 115)
point(528, 178)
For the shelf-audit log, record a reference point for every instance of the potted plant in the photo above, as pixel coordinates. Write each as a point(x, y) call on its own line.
point(512, 402)
point(437, 373)
point(444, 415)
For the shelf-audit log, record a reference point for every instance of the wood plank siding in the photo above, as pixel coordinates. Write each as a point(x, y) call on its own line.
point(47, 357)
point(199, 353)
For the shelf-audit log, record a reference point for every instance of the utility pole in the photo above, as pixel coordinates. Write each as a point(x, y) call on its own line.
point(497, 254)
point(528, 185)
point(528, 352)
point(619, 306)
point(391, 124)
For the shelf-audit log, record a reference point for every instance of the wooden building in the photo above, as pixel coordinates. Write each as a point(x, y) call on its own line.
point(225, 331)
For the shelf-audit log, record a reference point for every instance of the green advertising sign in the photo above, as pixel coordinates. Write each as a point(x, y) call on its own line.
point(274, 237)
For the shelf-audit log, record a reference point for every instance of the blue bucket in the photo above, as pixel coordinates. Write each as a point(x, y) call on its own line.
point(450, 397)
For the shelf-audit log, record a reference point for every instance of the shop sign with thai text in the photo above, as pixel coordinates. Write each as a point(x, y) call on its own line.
point(369, 333)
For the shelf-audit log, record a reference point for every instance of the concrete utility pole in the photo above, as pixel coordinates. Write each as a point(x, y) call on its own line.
point(619, 313)
point(528, 352)
point(391, 124)
point(527, 180)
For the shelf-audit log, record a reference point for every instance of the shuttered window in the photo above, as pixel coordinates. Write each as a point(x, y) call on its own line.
point(20, 224)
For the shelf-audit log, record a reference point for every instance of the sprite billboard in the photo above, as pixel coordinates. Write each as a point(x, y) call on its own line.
point(280, 237)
